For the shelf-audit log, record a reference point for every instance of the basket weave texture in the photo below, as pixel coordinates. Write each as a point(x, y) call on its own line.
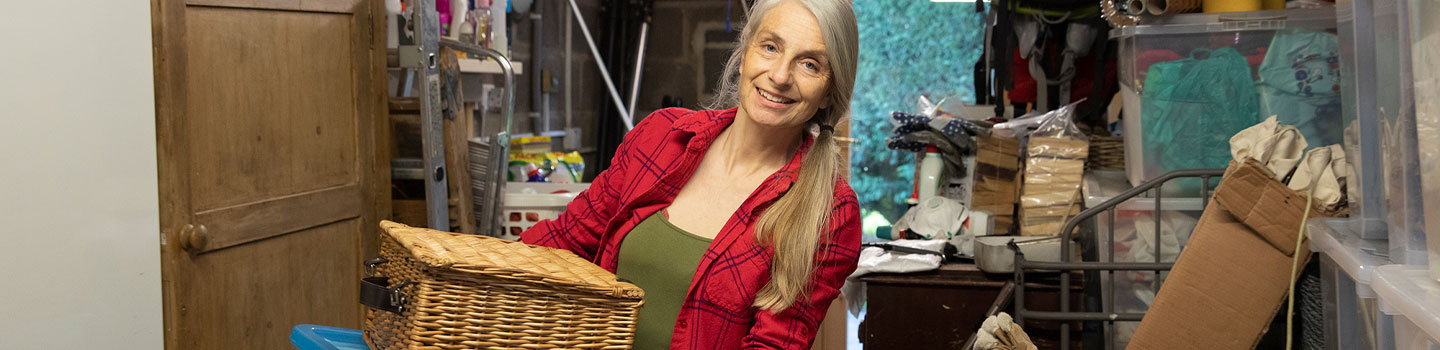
point(477, 292)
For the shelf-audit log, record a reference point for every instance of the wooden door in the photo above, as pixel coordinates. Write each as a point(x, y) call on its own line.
point(271, 185)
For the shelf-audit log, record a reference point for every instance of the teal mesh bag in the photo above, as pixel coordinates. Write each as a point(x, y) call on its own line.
point(1191, 108)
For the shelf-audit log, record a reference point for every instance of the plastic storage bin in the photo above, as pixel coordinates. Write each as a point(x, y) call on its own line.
point(1408, 293)
point(526, 203)
point(1347, 266)
point(1365, 188)
point(1398, 147)
point(1189, 82)
point(312, 337)
point(1424, 52)
point(1134, 241)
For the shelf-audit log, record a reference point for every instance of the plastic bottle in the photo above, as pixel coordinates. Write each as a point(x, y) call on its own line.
point(930, 169)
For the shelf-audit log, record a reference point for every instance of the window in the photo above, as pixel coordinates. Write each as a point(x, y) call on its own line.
point(908, 48)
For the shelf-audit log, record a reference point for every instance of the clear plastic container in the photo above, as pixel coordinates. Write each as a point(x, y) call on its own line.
point(1365, 188)
point(1395, 107)
point(1156, 141)
point(1413, 298)
point(526, 203)
point(1133, 224)
point(1347, 266)
point(1424, 52)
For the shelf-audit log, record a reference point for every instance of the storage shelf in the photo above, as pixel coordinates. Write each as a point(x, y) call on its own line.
point(487, 66)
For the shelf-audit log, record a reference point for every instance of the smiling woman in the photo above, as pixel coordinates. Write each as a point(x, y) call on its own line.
point(735, 221)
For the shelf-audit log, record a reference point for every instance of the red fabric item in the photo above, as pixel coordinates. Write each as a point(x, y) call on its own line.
point(1080, 86)
point(1149, 57)
point(651, 165)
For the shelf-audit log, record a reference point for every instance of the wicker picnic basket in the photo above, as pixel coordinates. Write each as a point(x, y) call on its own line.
point(439, 290)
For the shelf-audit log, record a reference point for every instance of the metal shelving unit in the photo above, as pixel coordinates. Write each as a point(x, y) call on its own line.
point(1065, 266)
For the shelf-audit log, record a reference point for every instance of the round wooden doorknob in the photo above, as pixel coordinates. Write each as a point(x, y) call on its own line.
point(194, 238)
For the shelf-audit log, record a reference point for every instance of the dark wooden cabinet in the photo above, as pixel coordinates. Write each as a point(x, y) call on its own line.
point(941, 309)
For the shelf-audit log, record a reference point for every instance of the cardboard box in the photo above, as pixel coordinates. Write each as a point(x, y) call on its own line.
point(1234, 273)
point(997, 177)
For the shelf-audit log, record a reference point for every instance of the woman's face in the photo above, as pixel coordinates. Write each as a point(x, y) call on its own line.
point(784, 75)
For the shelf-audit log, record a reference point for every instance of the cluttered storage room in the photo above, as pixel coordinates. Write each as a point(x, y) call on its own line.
point(721, 174)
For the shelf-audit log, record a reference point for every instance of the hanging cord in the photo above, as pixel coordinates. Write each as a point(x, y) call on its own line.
point(1314, 161)
point(1294, 267)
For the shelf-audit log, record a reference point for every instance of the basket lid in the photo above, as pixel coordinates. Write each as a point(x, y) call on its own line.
point(508, 259)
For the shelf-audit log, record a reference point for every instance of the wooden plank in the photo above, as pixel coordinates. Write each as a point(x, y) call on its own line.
point(457, 161)
point(333, 6)
point(247, 223)
point(369, 59)
point(276, 120)
point(167, 29)
point(272, 285)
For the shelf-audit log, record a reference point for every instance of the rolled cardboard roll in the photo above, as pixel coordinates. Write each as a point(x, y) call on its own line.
point(1170, 7)
point(1135, 7)
point(1216, 6)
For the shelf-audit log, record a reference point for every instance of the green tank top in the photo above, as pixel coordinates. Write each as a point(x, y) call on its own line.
point(661, 259)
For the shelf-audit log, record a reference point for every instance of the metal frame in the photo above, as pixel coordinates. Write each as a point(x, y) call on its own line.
point(1065, 266)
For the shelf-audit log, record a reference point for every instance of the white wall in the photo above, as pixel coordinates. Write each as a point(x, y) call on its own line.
point(79, 214)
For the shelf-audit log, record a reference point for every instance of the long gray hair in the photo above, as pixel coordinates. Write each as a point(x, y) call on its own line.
point(795, 224)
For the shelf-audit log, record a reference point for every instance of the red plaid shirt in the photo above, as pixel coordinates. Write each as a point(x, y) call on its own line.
point(656, 159)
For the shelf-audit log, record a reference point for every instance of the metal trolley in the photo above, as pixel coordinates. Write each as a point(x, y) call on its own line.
point(1106, 315)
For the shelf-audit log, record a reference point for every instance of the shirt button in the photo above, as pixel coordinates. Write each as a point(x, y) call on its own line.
point(680, 324)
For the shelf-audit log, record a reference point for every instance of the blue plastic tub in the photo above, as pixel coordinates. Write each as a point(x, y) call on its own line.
point(313, 337)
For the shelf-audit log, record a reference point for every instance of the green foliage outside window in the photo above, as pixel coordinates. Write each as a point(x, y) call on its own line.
point(908, 48)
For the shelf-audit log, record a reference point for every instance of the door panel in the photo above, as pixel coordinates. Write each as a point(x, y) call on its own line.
point(272, 108)
point(271, 187)
point(270, 286)
point(243, 224)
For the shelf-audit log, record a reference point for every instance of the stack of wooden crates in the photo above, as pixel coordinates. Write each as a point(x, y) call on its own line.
point(1053, 171)
point(997, 180)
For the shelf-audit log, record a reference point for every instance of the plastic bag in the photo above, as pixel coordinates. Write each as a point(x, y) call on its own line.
point(1060, 123)
point(1192, 107)
point(1019, 127)
point(1300, 84)
point(1055, 155)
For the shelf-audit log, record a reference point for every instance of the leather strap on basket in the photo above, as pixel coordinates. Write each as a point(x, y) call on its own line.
point(376, 292)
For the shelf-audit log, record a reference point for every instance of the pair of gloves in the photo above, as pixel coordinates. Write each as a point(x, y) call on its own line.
point(1000, 332)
